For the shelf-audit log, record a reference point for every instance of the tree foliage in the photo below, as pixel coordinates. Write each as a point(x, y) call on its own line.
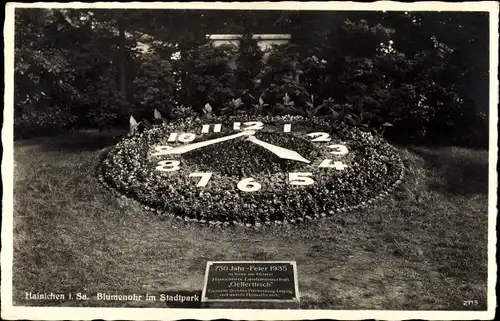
point(426, 73)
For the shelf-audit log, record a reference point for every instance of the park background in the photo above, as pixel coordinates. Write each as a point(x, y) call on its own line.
point(418, 78)
point(426, 73)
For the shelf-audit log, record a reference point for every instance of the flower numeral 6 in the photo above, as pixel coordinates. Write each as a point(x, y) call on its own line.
point(248, 185)
point(168, 166)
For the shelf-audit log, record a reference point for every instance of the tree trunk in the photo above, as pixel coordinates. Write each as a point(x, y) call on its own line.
point(121, 59)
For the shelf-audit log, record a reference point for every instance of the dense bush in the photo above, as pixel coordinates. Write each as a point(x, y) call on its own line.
point(248, 65)
point(155, 86)
point(287, 72)
point(420, 101)
point(64, 82)
point(103, 105)
point(207, 76)
point(47, 121)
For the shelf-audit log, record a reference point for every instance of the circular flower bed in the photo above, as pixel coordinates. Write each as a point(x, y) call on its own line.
point(371, 169)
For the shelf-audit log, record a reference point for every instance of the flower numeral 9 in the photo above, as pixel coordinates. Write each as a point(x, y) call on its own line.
point(161, 150)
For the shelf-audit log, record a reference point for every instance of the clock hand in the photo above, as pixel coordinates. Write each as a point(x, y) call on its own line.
point(190, 147)
point(280, 151)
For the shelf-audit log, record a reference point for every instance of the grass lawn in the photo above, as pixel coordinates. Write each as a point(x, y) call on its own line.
point(422, 248)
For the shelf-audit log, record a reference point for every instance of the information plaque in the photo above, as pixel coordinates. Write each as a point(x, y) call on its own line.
point(246, 284)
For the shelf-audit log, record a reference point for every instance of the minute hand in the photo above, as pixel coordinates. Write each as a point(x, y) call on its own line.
point(190, 147)
point(280, 151)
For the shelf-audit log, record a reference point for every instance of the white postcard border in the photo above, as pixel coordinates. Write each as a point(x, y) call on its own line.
point(65, 313)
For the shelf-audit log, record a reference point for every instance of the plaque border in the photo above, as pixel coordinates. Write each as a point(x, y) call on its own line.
point(296, 299)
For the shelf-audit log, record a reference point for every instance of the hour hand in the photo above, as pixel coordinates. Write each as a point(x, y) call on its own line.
point(280, 151)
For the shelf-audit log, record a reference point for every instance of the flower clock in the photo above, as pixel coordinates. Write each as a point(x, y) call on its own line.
point(252, 171)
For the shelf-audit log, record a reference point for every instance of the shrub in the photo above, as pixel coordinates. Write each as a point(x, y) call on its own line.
point(249, 64)
point(42, 121)
point(207, 77)
point(103, 104)
point(154, 86)
point(293, 82)
point(281, 75)
point(181, 112)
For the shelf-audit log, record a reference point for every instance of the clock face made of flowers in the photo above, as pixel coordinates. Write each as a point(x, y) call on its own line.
point(252, 171)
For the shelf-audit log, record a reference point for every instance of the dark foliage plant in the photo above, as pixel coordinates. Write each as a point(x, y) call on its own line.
point(155, 86)
point(248, 64)
point(207, 76)
point(284, 73)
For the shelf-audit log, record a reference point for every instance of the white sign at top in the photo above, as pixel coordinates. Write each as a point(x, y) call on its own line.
point(264, 41)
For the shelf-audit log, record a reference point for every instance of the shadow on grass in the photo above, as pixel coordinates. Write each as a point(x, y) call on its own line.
point(459, 172)
point(77, 141)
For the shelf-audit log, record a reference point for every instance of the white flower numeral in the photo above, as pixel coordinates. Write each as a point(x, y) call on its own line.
point(206, 128)
point(183, 138)
point(338, 149)
point(300, 179)
point(205, 177)
point(319, 137)
point(337, 165)
point(248, 185)
point(168, 166)
point(161, 150)
point(251, 125)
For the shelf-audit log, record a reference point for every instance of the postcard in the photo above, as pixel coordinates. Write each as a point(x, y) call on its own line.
point(256, 161)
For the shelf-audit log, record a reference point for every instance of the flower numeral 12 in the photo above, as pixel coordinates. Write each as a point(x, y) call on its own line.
point(251, 125)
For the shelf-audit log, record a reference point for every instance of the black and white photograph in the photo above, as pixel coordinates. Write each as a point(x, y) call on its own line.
point(257, 161)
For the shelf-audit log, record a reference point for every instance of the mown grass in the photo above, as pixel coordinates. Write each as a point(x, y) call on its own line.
point(423, 248)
